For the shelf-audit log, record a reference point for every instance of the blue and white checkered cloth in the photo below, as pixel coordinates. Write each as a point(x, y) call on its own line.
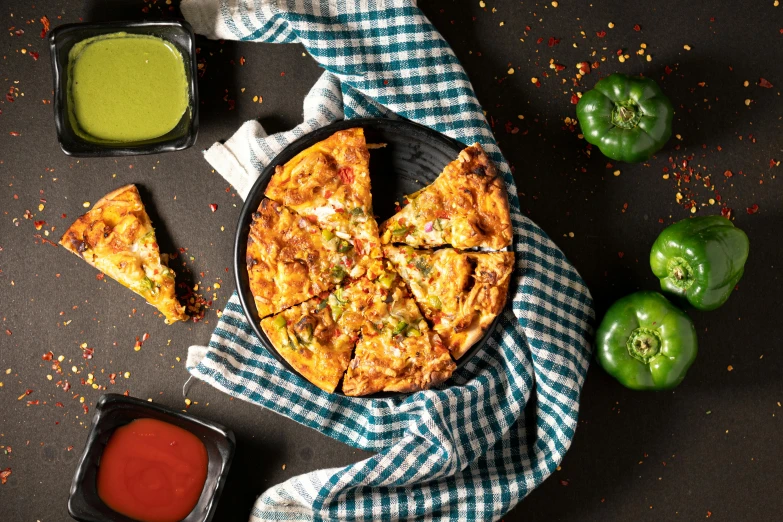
point(472, 450)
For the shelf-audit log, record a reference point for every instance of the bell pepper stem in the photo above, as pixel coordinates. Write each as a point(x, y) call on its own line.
point(626, 115)
point(644, 344)
point(680, 273)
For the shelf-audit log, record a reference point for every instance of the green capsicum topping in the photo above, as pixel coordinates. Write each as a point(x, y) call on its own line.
point(700, 259)
point(628, 118)
point(645, 342)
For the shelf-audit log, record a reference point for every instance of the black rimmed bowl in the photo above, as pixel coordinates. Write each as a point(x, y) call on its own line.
point(64, 37)
point(113, 411)
point(413, 157)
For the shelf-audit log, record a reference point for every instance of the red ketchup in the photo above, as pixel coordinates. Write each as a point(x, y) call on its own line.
point(152, 471)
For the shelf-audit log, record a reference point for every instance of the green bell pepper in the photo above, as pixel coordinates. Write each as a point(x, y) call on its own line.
point(645, 342)
point(701, 259)
point(628, 118)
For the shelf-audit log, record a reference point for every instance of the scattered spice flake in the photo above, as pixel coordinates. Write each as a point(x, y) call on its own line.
point(213, 207)
point(4, 475)
point(59, 404)
point(14, 133)
point(86, 409)
point(620, 254)
point(726, 212)
point(752, 209)
point(637, 27)
point(584, 67)
point(600, 34)
point(728, 174)
point(99, 277)
point(36, 402)
point(574, 99)
point(553, 41)
point(242, 60)
point(87, 353)
point(563, 482)
point(8, 332)
point(9, 97)
point(35, 55)
point(765, 83)
point(45, 22)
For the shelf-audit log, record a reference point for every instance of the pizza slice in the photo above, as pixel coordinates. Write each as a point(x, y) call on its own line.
point(465, 207)
point(290, 259)
point(317, 337)
point(309, 337)
point(116, 237)
point(461, 293)
point(394, 352)
point(329, 183)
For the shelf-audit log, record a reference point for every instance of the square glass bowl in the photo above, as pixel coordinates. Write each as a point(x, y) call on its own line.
point(113, 411)
point(64, 37)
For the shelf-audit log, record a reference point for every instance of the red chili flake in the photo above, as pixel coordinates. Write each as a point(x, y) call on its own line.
point(145, 9)
point(726, 212)
point(4, 475)
point(637, 27)
point(69, 448)
point(213, 207)
point(540, 40)
point(99, 277)
point(553, 41)
point(584, 67)
point(9, 97)
point(600, 34)
point(34, 54)
point(620, 254)
point(559, 67)
point(87, 353)
point(36, 402)
point(346, 175)
point(19, 32)
point(728, 174)
point(14, 133)
point(85, 408)
point(145, 337)
point(59, 404)
point(242, 60)
point(8, 332)
point(47, 356)
point(667, 70)
point(282, 73)
point(39, 224)
point(619, 52)
point(752, 209)
point(45, 22)
point(563, 482)
point(574, 99)
point(112, 376)
point(538, 83)
point(765, 83)
point(66, 386)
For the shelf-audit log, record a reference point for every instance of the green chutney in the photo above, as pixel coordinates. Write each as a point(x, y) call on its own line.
point(126, 87)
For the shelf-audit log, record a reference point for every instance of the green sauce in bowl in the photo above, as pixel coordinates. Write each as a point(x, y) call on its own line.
point(126, 87)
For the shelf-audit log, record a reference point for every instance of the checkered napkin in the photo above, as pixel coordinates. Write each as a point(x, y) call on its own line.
point(471, 450)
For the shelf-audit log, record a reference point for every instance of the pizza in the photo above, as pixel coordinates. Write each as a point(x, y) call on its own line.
point(329, 183)
point(116, 237)
point(290, 259)
point(310, 339)
point(465, 207)
point(461, 293)
point(396, 351)
point(341, 304)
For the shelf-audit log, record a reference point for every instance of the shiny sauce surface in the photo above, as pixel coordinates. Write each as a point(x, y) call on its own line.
point(152, 471)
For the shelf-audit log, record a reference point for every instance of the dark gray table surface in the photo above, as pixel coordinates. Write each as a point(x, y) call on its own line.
point(710, 449)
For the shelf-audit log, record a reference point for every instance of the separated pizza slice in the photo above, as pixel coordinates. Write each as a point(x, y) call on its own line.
point(290, 259)
point(461, 293)
point(310, 337)
point(329, 183)
point(116, 237)
point(465, 207)
point(394, 352)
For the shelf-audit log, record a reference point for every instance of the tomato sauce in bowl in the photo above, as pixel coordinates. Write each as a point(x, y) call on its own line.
point(152, 471)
